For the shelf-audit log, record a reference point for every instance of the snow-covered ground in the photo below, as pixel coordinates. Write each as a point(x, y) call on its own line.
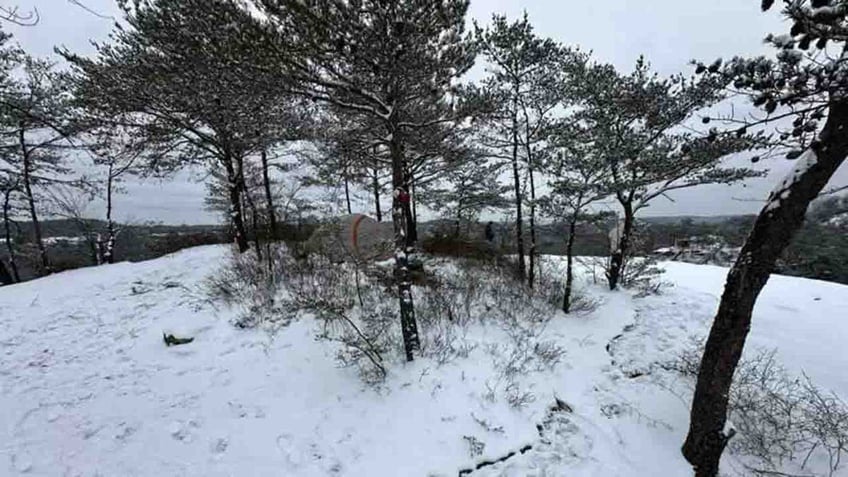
point(87, 386)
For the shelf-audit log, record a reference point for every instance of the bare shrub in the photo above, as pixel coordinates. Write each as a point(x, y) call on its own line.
point(642, 275)
point(779, 418)
point(469, 292)
point(445, 343)
point(551, 288)
point(450, 299)
point(595, 266)
point(516, 397)
point(253, 286)
point(355, 304)
point(355, 311)
point(523, 353)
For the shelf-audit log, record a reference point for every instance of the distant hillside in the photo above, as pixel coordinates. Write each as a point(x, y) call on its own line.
point(69, 247)
point(820, 249)
point(697, 219)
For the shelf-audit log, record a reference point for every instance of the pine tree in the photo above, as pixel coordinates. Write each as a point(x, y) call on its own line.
point(10, 57)
point(177, 75)
point(470, 188)
point(9, 187)
point(808, 89)
point(578, 178)
point(348, 156)
point(37, 123)
point(393, 64)
point(524, 88)
point(635, 124)
point(119, 152)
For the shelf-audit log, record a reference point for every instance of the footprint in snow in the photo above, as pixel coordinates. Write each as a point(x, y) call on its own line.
point(182, 431)
point(219, 446)
point(237, 410)
point(298, 458)
point(125, 432)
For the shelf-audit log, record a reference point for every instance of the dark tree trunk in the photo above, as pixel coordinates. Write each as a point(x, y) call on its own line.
point(347, 194)
point(254, 221)
point(409, 217)
point(375, 184)
point(400, 205)
point(411, 226)
point(36, 225)
point(269, 197)
point(522, 266)
point(772, 232)
point(528, 150)
point(532, 252)
point(109, 248)
point(569, 264)
point(235, 180)
point(622, 249)
point(458, 229)
point(7, 227)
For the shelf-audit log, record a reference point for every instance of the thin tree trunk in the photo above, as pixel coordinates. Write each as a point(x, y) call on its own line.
point(269, 197)
point(773, 230)
point(347, 194)
point(409, 327)
point(414, 199)
point(411, 225)
point(7, 227)
point(254, 218)
point(529, 152)
point(532, 252)
point(522, 270)
point(109, 252)
point(458, 229)
point(234, 185)
point(569, 264)
point(36, 225)
point(376, 186)
point(622, 249)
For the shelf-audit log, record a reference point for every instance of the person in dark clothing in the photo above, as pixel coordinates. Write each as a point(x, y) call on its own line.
point(5, 276)
point(490, 232)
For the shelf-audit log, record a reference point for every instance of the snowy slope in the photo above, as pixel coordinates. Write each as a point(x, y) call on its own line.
point(87, 386)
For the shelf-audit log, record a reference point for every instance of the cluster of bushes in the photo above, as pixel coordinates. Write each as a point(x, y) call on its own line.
point(355, 304)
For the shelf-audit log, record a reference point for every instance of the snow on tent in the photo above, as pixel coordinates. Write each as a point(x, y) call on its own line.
point(353, 237)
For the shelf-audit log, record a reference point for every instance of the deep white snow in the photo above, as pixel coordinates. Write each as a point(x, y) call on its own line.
point(87, 386)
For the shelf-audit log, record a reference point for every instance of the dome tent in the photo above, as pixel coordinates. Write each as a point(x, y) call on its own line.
point(353, 238)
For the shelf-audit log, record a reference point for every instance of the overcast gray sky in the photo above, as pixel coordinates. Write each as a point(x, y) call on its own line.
point(669, 33)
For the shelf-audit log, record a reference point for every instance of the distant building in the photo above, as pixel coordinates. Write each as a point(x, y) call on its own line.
point(707, 249)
